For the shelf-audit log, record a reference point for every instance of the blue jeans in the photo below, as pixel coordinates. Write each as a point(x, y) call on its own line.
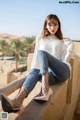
point(56, 69)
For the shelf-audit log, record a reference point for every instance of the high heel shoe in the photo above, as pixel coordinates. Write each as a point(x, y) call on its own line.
point(14, 105)
point(44, 98)
point(7, 105)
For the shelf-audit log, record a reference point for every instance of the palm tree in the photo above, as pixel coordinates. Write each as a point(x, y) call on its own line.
point(16, 49)
point(28, 45)
point(29, 40)
point(3, 47)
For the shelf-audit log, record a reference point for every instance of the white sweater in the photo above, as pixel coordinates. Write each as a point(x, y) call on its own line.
point(55, 47)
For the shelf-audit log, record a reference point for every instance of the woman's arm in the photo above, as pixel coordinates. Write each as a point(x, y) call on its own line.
point(70, 49)
point(34, 63)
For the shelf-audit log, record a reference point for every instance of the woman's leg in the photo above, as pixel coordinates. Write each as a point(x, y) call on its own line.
point(15, 104)
point(59, 71)
point(31, 80)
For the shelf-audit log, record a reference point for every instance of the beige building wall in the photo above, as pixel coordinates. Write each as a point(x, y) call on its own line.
point(77, 48)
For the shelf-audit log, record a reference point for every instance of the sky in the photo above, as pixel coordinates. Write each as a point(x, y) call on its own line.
point(26, 17)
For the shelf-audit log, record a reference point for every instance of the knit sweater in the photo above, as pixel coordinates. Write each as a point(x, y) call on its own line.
point(54, 46)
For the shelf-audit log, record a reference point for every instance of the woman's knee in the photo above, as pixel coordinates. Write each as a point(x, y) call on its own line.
point(64, 77)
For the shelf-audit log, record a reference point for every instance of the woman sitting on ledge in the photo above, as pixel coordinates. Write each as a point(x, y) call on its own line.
point(50, 64)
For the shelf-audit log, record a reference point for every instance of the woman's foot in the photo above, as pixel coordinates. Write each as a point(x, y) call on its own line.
point(7, 105)
point(45, 97)
point(46, 92)
point(15, 104)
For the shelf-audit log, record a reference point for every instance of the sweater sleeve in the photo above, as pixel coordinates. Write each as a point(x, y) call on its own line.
point(70, 49)
point(34, 63)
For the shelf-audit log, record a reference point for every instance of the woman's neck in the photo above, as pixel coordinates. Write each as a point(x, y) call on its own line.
point(52, 35)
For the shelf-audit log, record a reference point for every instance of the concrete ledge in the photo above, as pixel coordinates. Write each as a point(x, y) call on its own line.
point(52, 109)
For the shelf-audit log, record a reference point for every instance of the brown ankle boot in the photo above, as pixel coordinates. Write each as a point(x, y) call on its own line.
point(15, 104)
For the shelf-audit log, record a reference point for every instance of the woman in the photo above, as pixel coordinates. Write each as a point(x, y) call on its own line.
point(50, 64)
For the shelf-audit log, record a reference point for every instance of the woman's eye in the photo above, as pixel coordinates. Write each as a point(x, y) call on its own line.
point(55, 24)
point(49, 24)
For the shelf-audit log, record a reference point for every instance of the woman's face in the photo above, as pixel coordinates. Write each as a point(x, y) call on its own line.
point(52, 26)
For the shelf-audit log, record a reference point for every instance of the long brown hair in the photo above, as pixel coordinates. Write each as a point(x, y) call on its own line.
point(45, 32)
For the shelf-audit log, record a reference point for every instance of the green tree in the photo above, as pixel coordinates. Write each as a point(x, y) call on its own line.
point(3, 47)
point(16, 49)
point(28, 45)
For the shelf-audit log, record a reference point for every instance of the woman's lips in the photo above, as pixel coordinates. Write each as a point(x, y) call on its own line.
point(52, 31)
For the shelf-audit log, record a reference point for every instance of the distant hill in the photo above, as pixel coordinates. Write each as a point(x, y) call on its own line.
point(6, 36)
